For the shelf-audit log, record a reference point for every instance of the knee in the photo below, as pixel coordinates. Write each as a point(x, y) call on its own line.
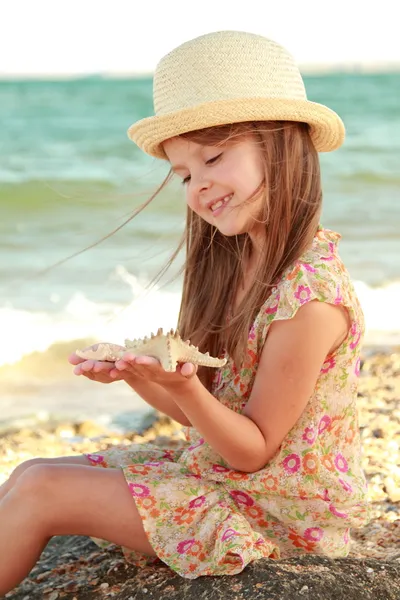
point(21, 468)
point(35, 479)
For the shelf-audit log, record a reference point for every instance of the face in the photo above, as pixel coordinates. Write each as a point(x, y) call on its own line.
point(218, 180)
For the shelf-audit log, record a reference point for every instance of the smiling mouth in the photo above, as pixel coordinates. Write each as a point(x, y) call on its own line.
point(214, 207)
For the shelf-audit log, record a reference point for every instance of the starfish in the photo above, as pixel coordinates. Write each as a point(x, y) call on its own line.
point(168, 348)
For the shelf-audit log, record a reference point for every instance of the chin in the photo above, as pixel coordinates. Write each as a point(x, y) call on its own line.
point(229, 231)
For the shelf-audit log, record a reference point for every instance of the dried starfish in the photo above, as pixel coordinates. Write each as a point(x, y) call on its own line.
point(169, 349)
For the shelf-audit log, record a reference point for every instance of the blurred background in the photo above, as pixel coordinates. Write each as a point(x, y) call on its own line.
point(73, 77)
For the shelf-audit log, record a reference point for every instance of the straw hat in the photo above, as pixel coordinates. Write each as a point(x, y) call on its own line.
point(230, 77)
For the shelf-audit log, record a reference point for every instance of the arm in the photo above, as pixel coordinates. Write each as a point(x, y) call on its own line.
point(289, 366)
point(158, 398)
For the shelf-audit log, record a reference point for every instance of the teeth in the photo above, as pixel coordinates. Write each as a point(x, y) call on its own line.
point(220, 202)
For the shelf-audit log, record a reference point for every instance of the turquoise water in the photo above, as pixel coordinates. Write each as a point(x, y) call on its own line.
point(69, 175)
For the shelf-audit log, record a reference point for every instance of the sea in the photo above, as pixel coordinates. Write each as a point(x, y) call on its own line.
point(74, 269)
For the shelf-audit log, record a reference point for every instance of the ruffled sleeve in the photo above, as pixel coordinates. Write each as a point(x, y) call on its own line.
point(318, 274)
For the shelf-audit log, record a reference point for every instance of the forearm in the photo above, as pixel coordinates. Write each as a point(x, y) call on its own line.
point(159, 398)
point(232, 435)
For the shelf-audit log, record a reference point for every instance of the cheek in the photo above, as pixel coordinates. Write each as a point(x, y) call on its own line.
point(191, 202)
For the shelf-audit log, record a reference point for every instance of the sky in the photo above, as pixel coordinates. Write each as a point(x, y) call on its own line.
point(117, 37)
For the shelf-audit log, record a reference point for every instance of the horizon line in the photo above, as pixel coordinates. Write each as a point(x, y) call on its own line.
point(306, 68)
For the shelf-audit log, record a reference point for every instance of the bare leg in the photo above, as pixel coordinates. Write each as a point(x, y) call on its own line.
point(22, 541)
point(61, 460)
point(50, 500)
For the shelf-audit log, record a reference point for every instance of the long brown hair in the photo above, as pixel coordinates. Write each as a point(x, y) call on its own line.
point(214, 265)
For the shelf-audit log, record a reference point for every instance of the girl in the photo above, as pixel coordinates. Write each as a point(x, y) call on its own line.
point(272, 464)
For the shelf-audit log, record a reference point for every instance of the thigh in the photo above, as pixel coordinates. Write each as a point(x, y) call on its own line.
point(81, 500)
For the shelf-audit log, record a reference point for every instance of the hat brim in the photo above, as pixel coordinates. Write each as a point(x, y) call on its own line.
point(326, 127)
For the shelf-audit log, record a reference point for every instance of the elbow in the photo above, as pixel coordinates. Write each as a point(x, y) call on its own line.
point(251, 463)
point(248, 467)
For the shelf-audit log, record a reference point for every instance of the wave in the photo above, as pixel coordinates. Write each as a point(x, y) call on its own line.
point(43, 335)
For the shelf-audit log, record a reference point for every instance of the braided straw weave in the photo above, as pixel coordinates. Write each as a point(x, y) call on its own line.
point(230, 77)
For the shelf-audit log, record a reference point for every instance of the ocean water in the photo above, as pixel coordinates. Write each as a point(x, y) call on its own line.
point(69, 176)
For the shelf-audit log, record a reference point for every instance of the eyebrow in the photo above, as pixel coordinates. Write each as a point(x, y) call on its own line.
point(176, 167)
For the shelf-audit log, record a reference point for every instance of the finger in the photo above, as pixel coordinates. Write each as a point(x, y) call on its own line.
point(101, 366)
point(87, 365)
point(147, 360)
point(129, 356)
point(188, 370)
point(74, 359)
point(121, 365)
point(77, 370)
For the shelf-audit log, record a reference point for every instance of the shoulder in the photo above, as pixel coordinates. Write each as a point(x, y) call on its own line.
point(318, 274)
point(321, 325)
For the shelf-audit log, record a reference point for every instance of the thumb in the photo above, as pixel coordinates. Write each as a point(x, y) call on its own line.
point(188, 370)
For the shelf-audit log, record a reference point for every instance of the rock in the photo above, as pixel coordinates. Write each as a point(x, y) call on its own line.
point(90, 429)
point(305, 576)
point(392, 490)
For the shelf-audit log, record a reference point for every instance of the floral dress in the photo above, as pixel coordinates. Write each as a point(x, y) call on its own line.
point(204, 518)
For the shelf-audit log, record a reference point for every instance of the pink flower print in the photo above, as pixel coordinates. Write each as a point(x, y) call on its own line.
point(303, 293)
point(309, 268)
point(154, 463)
point(346, 538)
point(242, 498)
point(229, 533)
point(260, 541)
point(341, 463)
point(325, 496)
point(197, 444)
point(197, 502)
point(292, 463)
point(324, 423)
point(220, 469)
point(331, 246)
point(356, 335)
point(252, 334)
point(339, 297)
point(138, 490)
point(168, 455)
point(346, 486)
point(328, 365)
point(185, 546)
point(309, 435)
point(272, 309)
point(96, 458)
point(218, 378)
point(313, 534)
point(357, 367)
point(337, 513)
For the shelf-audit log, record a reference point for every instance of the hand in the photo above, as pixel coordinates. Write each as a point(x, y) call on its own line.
point(96, 370)
point(150, 369)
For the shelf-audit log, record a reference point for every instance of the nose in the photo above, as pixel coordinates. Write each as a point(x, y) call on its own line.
point(199, 184)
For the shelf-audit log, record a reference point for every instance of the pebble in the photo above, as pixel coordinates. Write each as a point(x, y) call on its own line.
point(304, 589)
point(392, 489)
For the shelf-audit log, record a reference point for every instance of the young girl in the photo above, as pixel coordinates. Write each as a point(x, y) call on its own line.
point(272, 464)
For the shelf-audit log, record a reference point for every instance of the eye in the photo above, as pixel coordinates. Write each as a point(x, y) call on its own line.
point(210, 161)
point(186, 180)
point(213, 159)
